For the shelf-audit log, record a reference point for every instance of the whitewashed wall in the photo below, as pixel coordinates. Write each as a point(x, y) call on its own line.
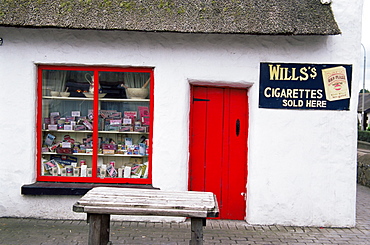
point(302, 164)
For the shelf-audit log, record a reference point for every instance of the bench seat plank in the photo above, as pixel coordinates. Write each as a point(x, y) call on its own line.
point(148, 205)
point(145, 211)
point(101, 202)
point(182, 203)
point(127, 201)
point(206, 200)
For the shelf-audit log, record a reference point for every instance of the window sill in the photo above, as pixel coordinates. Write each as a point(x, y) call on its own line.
point(79, 189)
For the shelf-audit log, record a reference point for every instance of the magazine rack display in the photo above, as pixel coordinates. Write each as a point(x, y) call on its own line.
point(94, 124)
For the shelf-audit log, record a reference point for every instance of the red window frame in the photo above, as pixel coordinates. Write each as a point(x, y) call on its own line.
point(39, 122)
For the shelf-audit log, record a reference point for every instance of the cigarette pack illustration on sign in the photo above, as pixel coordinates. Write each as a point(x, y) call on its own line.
point(335, 83)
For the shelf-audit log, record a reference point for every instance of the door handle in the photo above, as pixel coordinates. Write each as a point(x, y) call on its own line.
point(237, 126)
point(244, 195)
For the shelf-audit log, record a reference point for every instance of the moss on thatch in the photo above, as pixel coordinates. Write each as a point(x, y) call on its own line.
point(273, 17)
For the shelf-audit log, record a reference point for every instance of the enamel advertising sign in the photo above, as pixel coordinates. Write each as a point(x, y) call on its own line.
point(305, 86)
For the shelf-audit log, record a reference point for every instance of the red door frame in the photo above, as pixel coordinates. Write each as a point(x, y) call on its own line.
point(221, 153)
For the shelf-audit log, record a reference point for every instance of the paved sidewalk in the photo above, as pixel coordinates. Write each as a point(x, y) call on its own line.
point(33, 231)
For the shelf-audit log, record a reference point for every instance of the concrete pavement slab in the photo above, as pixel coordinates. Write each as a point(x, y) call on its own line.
point(18, 231)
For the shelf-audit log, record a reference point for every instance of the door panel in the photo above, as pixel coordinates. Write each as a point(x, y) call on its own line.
point(214, 155)
point(198, 117)
point(218, 146)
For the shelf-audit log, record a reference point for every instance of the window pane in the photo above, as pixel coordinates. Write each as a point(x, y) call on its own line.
point(66, 123)
point(123, 125)
point(115, 84)
point(120, 125)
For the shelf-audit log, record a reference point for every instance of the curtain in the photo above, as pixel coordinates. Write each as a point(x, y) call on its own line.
point(54, 81)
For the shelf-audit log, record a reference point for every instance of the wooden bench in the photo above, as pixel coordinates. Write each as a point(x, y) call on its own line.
point(101, 202)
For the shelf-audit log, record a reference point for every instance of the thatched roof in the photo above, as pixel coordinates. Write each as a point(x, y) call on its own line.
point(271, 17)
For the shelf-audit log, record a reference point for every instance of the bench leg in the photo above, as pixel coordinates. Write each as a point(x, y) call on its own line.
point(99, 226)
point(197, 231)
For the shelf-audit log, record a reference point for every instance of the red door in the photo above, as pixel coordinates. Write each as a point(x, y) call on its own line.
point(218, 146)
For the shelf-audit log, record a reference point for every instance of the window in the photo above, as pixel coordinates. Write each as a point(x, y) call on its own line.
point(94, 124)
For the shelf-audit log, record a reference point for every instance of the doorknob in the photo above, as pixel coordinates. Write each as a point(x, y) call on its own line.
point(244, 195)
point(237, 126)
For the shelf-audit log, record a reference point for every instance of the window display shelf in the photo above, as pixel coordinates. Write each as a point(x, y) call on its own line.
point(68, 131)
point(90, 154)
point(117, 132)
point(121, 155)
point(76, 154)
point(100, 99)
point(100, 132)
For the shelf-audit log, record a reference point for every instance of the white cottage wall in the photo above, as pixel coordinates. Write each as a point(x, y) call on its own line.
point(308, 175)
point(301, 163)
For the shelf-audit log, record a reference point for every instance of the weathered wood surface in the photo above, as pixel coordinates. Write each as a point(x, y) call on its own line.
point(196, 231)
point(110, 200)
point(99, 228)
point(100, 202)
